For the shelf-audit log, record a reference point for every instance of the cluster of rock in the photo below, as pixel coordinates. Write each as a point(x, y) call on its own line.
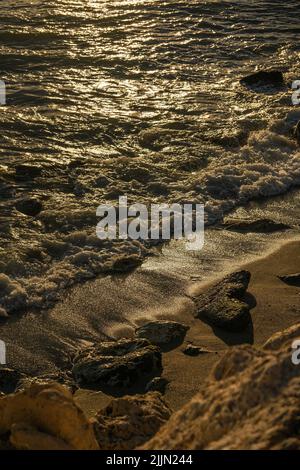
point(251, 401)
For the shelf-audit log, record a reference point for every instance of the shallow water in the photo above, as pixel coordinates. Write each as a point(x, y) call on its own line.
point(139, 98)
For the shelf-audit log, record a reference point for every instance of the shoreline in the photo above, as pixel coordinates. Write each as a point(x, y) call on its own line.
point(111, 307)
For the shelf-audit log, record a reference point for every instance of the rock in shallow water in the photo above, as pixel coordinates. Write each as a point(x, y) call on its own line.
point(223, 304)
point(162, 332)
point(264, 77)
point(29, 206)
point(120, 363)
point(130, 421)
point(250, 402)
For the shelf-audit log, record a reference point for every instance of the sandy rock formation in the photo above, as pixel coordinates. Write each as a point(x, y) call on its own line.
point(117, 363)
point(130, 421)
point(251, 401)
point(223, 304)
point(42, 417)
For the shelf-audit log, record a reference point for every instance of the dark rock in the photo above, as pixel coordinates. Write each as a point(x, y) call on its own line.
point(158, 384)
point(223, 305)
point(9, 379)
point(162, 332)
point(264, 77)
point(29, 206)
point(192, 350)
point(258, 225)
point(25, 171)
point(291, 279)
point(117, 363)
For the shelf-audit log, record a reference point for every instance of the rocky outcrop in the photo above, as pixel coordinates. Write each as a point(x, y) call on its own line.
point(251, 401)
point(162, 332)
point(44, 416)
point(257, 225)
point(264, 77)
point(130, 421)
point(223, 305)
point(117, 363)
point(291, 279)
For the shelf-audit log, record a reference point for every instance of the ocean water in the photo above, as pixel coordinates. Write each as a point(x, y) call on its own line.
point(135, 97)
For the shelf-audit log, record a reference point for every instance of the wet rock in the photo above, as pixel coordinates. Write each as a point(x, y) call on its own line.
point(223, 305)
point(45, 417)
point(9, 379)
point(29, 206)
point(25, 171)
point(251, 401)
point(162, 332)
point(264, 77)
point(257, 225)
point(116, 363)
point(130, 421)
point(291, 279)
point(158, 384)
point(192, 350)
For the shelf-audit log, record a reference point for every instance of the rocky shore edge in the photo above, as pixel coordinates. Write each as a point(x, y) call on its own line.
point(250, 399)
